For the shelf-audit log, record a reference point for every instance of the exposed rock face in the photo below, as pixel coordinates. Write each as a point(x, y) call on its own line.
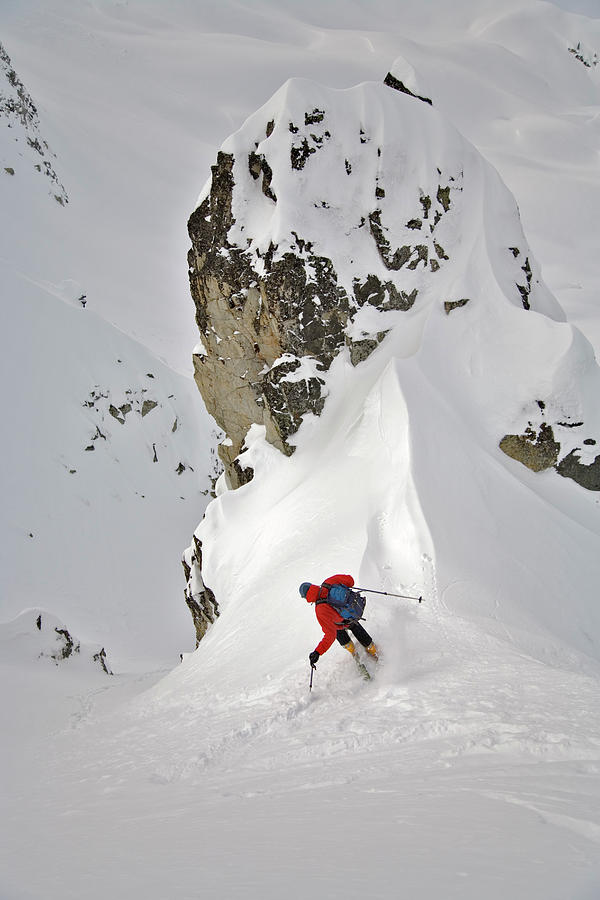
point(455, 304)
point(398, 85)
point(539, 450)
point(312, 236)
point(587, 475)
point(199, 598)
point(255, 328)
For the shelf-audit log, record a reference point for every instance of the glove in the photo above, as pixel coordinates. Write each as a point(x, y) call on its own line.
point(313, 657)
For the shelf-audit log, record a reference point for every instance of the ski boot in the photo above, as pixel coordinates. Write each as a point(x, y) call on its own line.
point(373, 651)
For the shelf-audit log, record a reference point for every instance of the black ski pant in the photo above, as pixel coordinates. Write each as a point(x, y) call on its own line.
point(359, 633)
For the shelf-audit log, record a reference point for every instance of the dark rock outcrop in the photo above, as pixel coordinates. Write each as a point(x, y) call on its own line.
point(540, 450)
point(399, 85)
point(536, 450)
point(255, 328)
point(587, 475)
point(199, 598)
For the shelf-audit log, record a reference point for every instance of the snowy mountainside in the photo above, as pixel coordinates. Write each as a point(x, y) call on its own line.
point(468, 767)
point(107, 455)
point(105, 459)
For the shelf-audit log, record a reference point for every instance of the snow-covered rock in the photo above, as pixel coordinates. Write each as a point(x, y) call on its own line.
point(334, 217)
point(37, 634)
point(358, 231)
point(23, 149)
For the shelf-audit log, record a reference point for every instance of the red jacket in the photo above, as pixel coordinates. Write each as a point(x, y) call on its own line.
point(329, 618)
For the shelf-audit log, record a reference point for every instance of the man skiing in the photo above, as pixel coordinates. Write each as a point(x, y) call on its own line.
point(331, 623)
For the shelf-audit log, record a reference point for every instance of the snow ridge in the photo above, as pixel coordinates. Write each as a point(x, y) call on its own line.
point(18, 113)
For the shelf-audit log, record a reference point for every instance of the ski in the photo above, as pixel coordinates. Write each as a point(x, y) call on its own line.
point(362, 669)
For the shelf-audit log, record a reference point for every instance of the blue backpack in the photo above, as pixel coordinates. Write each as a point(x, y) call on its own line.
point(348, 603)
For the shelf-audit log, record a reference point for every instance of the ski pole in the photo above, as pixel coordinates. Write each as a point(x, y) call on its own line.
point(387, 594)
point(312, 672)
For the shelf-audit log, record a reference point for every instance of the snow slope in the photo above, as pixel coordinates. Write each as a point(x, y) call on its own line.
point(469, 767)
point(531, 110)
point(466, 768)
point(92, 525)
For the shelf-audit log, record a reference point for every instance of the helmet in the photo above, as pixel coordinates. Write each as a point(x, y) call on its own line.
point(304, 588)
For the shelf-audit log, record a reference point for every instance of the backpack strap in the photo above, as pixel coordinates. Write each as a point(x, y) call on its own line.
point(324, 599)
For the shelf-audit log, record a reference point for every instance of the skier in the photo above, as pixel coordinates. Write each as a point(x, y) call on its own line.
point(329, 620)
